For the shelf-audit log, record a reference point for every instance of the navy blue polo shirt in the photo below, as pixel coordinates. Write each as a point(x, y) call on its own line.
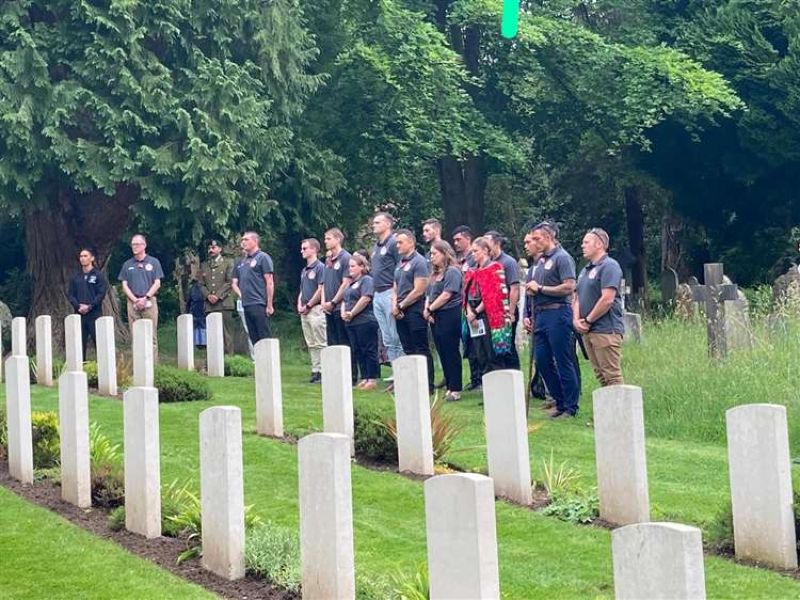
point(250, 273)
point(594, 277)
point(141, 274)
point(554, 269)
point(336, 269)
point(311, 278)
point(384, 261)
point(363, 286)
point(453, 282)
point(409, 268)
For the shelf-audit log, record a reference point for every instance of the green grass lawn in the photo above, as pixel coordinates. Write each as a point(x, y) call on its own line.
point(685, 398)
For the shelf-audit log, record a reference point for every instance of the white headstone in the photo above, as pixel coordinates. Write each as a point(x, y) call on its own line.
point(19, 337)
point(2, 350)
point(73, 343)
point(619, 444)
point(269, 395)
point(215, 350)
point(143, 353)
point(326, 517)
point(186, 342)
point(462, 537)
point(106, 356)
point(633, 327)
point(658, 561)
point(44, 350)
point(507, 435)
point(337, 392)
point(413, 412)
point(18, 415)
point(222, 491)
point(760, 472)
point(73, 416)
point(142, 462)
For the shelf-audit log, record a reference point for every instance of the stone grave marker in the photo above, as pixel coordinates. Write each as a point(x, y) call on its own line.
point(44, 350)
point(106, 356)
point(19, 337)
point(18, 416)
point(507, 435)
point(413, 414)
point(269, 391)
point(738, 331)
point(337, 392)
point(760, 473)
point(143, 369)
point(619, 443)
point(73, 415)
point(222, 491)
point(714, 293)
point(326, 516)
point(215, 350)
point(462, 537)
point(186, 342)
point(142, 461)
point(73, 343)
point(633, 327)
point(669, 285)
point(658, 561)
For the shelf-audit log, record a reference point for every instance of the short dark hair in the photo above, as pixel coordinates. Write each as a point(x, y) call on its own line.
point(385, 215)
point(548, 227)
point(497, 237)
point(408, 233)
point(463, 230)
point(434, 222)
point(336, 232)
point(313, 242)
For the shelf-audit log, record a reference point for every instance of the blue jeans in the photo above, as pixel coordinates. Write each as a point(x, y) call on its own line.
point(382, 307)
point(555, 356)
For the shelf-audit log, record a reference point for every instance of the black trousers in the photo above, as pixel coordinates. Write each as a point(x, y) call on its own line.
point(413, 332)
point(364, 346)
point(337, 333)
point(88, 330)
point(446, 330)
point(258, 328)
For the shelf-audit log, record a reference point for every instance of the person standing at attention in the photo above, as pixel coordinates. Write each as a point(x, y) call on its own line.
point(337, 278)
point(309, 306)
point(253, 282)
point(216, 275)
point(362, 327)
point(141, 277)
point(511, 271)
point(86, 292)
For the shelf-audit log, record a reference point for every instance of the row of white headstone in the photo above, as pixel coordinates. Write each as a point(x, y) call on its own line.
point(757, 441)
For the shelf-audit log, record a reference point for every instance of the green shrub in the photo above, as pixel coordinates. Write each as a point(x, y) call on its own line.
point(574, 506)
point(373, 440)
point(46, 440)
point(414, 586)
point(719, 533)
point(238, 366)
point(372, 588)
point(90, 368)
point(177, 385)
point(3, 431)
point(116, 519)
point(180, 510)
point(108, 480)
point(273, 553)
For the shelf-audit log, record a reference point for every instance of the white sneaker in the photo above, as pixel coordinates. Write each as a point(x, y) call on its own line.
point(390, 378)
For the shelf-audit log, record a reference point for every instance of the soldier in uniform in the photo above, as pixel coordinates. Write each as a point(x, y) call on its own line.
point(215, 279)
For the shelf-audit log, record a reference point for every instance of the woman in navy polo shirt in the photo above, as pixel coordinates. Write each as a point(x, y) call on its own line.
point(360, 321)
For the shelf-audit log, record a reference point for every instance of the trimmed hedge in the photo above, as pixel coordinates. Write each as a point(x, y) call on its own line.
point(177, 385)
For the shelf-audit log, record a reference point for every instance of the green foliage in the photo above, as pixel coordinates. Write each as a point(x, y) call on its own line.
point(238, 366)
point(3, 431)
point(177, 385)
point(108, 480)
point(46, 438)
point(116, 519)
point(373, 441)
point(445, 428)
point(719, 532)
point(273, 552)
point(180, 510)
point(415, 586)
point(90, 368)
point(558, 479)
point(577, 506)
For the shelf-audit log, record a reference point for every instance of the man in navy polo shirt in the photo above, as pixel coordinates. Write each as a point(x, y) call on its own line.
point(85, 293)
point(552, 287)
point(337, 280)
point(383, 263)
point(309, 306)
point(597, 315)
point(254, 284)
point(141, 278)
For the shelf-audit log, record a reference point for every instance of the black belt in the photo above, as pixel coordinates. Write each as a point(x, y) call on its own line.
point(382, 288)
point(551, 306)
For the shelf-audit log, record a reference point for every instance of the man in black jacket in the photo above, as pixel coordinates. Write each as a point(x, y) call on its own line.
point(86, 292)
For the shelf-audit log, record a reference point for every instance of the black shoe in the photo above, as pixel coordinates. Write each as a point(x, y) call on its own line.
point(441, 384)
point(315, 378)
point(473, 386)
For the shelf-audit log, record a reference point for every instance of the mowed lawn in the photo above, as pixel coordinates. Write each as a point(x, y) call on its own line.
point(539, 556)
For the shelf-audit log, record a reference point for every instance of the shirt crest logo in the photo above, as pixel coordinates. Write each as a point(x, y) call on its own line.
point(593, 274)
point(312, 275)
point(383, 251)
point(253, 262)
point(148, 267)
point(407, 267)
point(337, 266)
point(356, 285)
point(548, 265)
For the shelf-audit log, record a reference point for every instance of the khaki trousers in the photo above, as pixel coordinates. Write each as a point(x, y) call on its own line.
point(148, 313)
point(605, 354)
point(315, 334)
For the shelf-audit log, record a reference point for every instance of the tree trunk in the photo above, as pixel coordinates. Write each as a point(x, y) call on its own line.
point(671, 246)
point(634, 216)
point(53, 236)
point(463, 187)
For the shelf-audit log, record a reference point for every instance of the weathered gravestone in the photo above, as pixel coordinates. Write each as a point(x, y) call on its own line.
point(507, 434)
point(462, 537)
point(714, 293)
point(658, 561)
point(620, 454)
point(633, 327)
point(269, 393)
point(684, 301)
point(73, 416)
point(326, 517)
point(186, 342)
point(18, 416)
point(738, 332)
point(222, 491)
point(106, 356)
point(44, 350)
point(142, 461)
point(761, 484)
point(337, 392)
point(669, 285)
point(413, 415)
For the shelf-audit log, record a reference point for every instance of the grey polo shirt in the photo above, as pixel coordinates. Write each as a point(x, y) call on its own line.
point(141, 274)
point(384, 261)
point(336, 269)
point(250, 273)
point(554, 269)
point(510, 268)
point(453, 282)
point(594, 277)
point(408, 269)
point(363, 286)
point(311, 278)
